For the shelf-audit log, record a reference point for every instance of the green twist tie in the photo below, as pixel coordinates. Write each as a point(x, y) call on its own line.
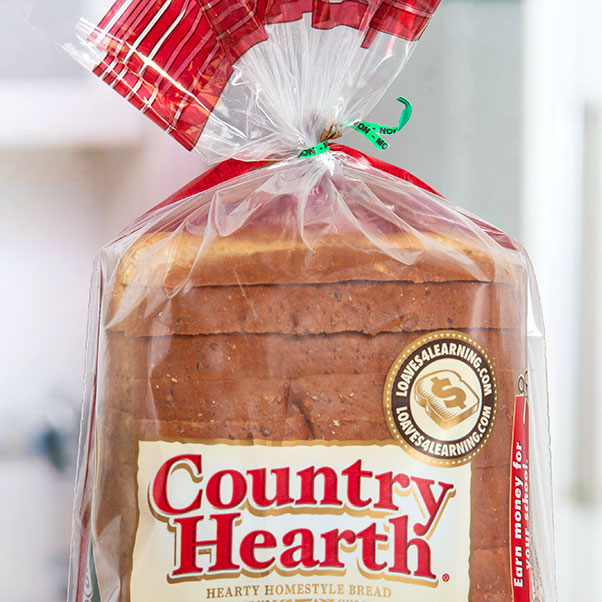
point(312, 151)
point(371, 131)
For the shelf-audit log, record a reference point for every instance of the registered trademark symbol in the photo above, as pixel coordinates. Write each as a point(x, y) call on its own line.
point(445, 577)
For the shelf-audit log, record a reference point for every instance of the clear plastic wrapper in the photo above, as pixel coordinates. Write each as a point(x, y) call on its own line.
point(308, 378)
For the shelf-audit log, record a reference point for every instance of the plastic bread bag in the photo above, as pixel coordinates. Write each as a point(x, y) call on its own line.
point(309, 376)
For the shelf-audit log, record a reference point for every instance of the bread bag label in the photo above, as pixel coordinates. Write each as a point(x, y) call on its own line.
point(440, 398)
point(303, 521)
point(520, 526)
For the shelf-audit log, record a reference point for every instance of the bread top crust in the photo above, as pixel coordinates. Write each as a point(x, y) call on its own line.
point(182, 259)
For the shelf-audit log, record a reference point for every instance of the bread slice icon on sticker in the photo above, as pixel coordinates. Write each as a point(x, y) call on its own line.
point(447, 399)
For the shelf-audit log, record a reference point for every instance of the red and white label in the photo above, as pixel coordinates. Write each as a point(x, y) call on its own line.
point(299, 521)
point(520, 536)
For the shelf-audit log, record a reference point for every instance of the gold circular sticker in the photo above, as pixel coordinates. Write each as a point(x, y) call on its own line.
point(440, 398)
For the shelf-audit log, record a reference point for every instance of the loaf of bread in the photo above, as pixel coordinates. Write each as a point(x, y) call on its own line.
point(300, 341)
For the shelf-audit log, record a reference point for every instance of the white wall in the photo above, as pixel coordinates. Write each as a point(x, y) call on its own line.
point(562, 229)
point(464, 138)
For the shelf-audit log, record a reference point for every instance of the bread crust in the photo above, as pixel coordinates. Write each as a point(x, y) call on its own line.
point(255, 255)
point(355, 306)
point(233, 356)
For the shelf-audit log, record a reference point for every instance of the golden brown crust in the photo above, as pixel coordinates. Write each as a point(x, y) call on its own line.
point(335, 407)
point(235, 356)
point(490, 499)
point(490, 575)
point(367, 307)
point(176, 259)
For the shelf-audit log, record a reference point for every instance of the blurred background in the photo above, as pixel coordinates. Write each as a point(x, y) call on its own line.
point(507, 123)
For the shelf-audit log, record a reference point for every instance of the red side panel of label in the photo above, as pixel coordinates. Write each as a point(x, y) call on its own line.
point(520, 537)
